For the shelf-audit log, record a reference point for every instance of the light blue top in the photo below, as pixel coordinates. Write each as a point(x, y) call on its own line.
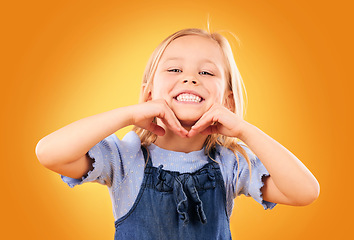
point(119, 164)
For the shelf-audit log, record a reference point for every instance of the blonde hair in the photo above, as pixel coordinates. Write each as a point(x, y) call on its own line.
point(234, 83)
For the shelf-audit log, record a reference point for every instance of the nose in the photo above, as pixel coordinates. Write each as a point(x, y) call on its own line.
point(190, 80)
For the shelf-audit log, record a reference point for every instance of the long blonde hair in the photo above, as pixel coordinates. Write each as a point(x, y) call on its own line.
point(234, 83)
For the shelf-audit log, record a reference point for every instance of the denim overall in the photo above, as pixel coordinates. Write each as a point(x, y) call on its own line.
point(171, 205)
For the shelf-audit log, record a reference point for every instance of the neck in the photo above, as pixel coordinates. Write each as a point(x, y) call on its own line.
point(173, 142)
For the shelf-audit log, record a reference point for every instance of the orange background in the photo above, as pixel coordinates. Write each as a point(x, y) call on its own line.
point(67, 60)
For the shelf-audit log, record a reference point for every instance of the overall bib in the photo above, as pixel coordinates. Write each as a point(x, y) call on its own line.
point(174, 206)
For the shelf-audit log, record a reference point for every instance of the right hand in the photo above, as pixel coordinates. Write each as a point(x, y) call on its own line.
point(144, 114)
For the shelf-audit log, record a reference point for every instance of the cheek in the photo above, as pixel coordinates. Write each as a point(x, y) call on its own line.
point(161, 87)
point(218, 89)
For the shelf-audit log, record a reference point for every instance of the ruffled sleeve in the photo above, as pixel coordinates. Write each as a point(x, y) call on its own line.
point(251, 187)
point(106, 163)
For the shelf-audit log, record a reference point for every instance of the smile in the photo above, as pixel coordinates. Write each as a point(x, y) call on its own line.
point(188, 97)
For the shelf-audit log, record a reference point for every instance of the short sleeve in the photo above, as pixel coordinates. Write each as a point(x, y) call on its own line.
point(248, 185)
point(106, 163)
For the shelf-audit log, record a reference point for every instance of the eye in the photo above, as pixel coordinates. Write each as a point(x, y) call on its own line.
point(206, 73)
point(174, 70)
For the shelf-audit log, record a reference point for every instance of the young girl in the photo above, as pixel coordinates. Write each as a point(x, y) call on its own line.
point(190, 154)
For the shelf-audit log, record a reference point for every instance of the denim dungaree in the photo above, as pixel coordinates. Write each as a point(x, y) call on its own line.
point(171, 205)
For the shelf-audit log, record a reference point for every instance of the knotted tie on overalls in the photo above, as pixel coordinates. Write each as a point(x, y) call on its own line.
point(184, 187)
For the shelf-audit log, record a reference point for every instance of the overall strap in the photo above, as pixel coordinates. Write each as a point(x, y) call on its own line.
point(212, 160)
point(147, 158)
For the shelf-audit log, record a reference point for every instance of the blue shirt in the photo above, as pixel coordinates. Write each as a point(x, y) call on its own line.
point(119, 164)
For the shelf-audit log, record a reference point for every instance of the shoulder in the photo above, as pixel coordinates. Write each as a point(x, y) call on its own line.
point(130, 143)
point(227, 154)
point(236, 159)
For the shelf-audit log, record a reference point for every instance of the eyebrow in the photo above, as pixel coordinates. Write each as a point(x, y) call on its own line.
point(177, 58)
point(172, 58)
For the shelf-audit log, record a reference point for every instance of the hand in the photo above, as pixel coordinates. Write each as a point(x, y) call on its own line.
point(218, 119)
point(144, 114)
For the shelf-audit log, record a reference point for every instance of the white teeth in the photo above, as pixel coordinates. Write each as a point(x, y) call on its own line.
point(187, 97)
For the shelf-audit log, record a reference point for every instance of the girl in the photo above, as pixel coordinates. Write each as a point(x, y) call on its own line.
point(190, 154)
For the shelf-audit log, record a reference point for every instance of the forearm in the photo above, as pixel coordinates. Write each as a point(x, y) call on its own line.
point(73, 141)
point(288, 173)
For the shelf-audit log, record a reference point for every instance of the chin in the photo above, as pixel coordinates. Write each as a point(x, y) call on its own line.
point(188, 122)
point(188, 117)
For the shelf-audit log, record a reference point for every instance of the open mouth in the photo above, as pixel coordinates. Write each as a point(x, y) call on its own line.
point(188, 97)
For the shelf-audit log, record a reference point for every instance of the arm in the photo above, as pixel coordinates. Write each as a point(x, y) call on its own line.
point(290, 182)
point(64, 151)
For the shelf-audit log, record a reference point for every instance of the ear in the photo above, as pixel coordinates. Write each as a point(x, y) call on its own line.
point(229, 101)
point(148, 94)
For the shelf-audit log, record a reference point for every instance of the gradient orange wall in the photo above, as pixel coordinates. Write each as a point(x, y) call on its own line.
point(67, 60)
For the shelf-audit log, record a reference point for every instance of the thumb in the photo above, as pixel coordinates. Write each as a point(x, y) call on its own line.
point(154, 128)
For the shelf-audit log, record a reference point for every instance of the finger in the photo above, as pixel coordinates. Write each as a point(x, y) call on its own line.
point(195, 129)
point(176, 127)
point(206, 119)
point(171, 121)
point(210, 130)
point(205, 131)
point(156, 129)
point(201, 129)
point(204, 122)
point(175, 123)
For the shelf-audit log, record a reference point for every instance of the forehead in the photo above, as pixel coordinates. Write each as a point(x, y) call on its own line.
point(193, 46)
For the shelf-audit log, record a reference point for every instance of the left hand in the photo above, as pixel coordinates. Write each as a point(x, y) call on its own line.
point(218, 119)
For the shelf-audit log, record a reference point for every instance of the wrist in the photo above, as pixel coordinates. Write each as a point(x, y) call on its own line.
point(129, 112)
point(245, 129)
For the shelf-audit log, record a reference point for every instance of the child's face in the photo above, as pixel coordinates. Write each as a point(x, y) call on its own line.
point(190, 77)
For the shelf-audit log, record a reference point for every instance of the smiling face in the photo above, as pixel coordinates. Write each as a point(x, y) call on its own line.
point(190, 77)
